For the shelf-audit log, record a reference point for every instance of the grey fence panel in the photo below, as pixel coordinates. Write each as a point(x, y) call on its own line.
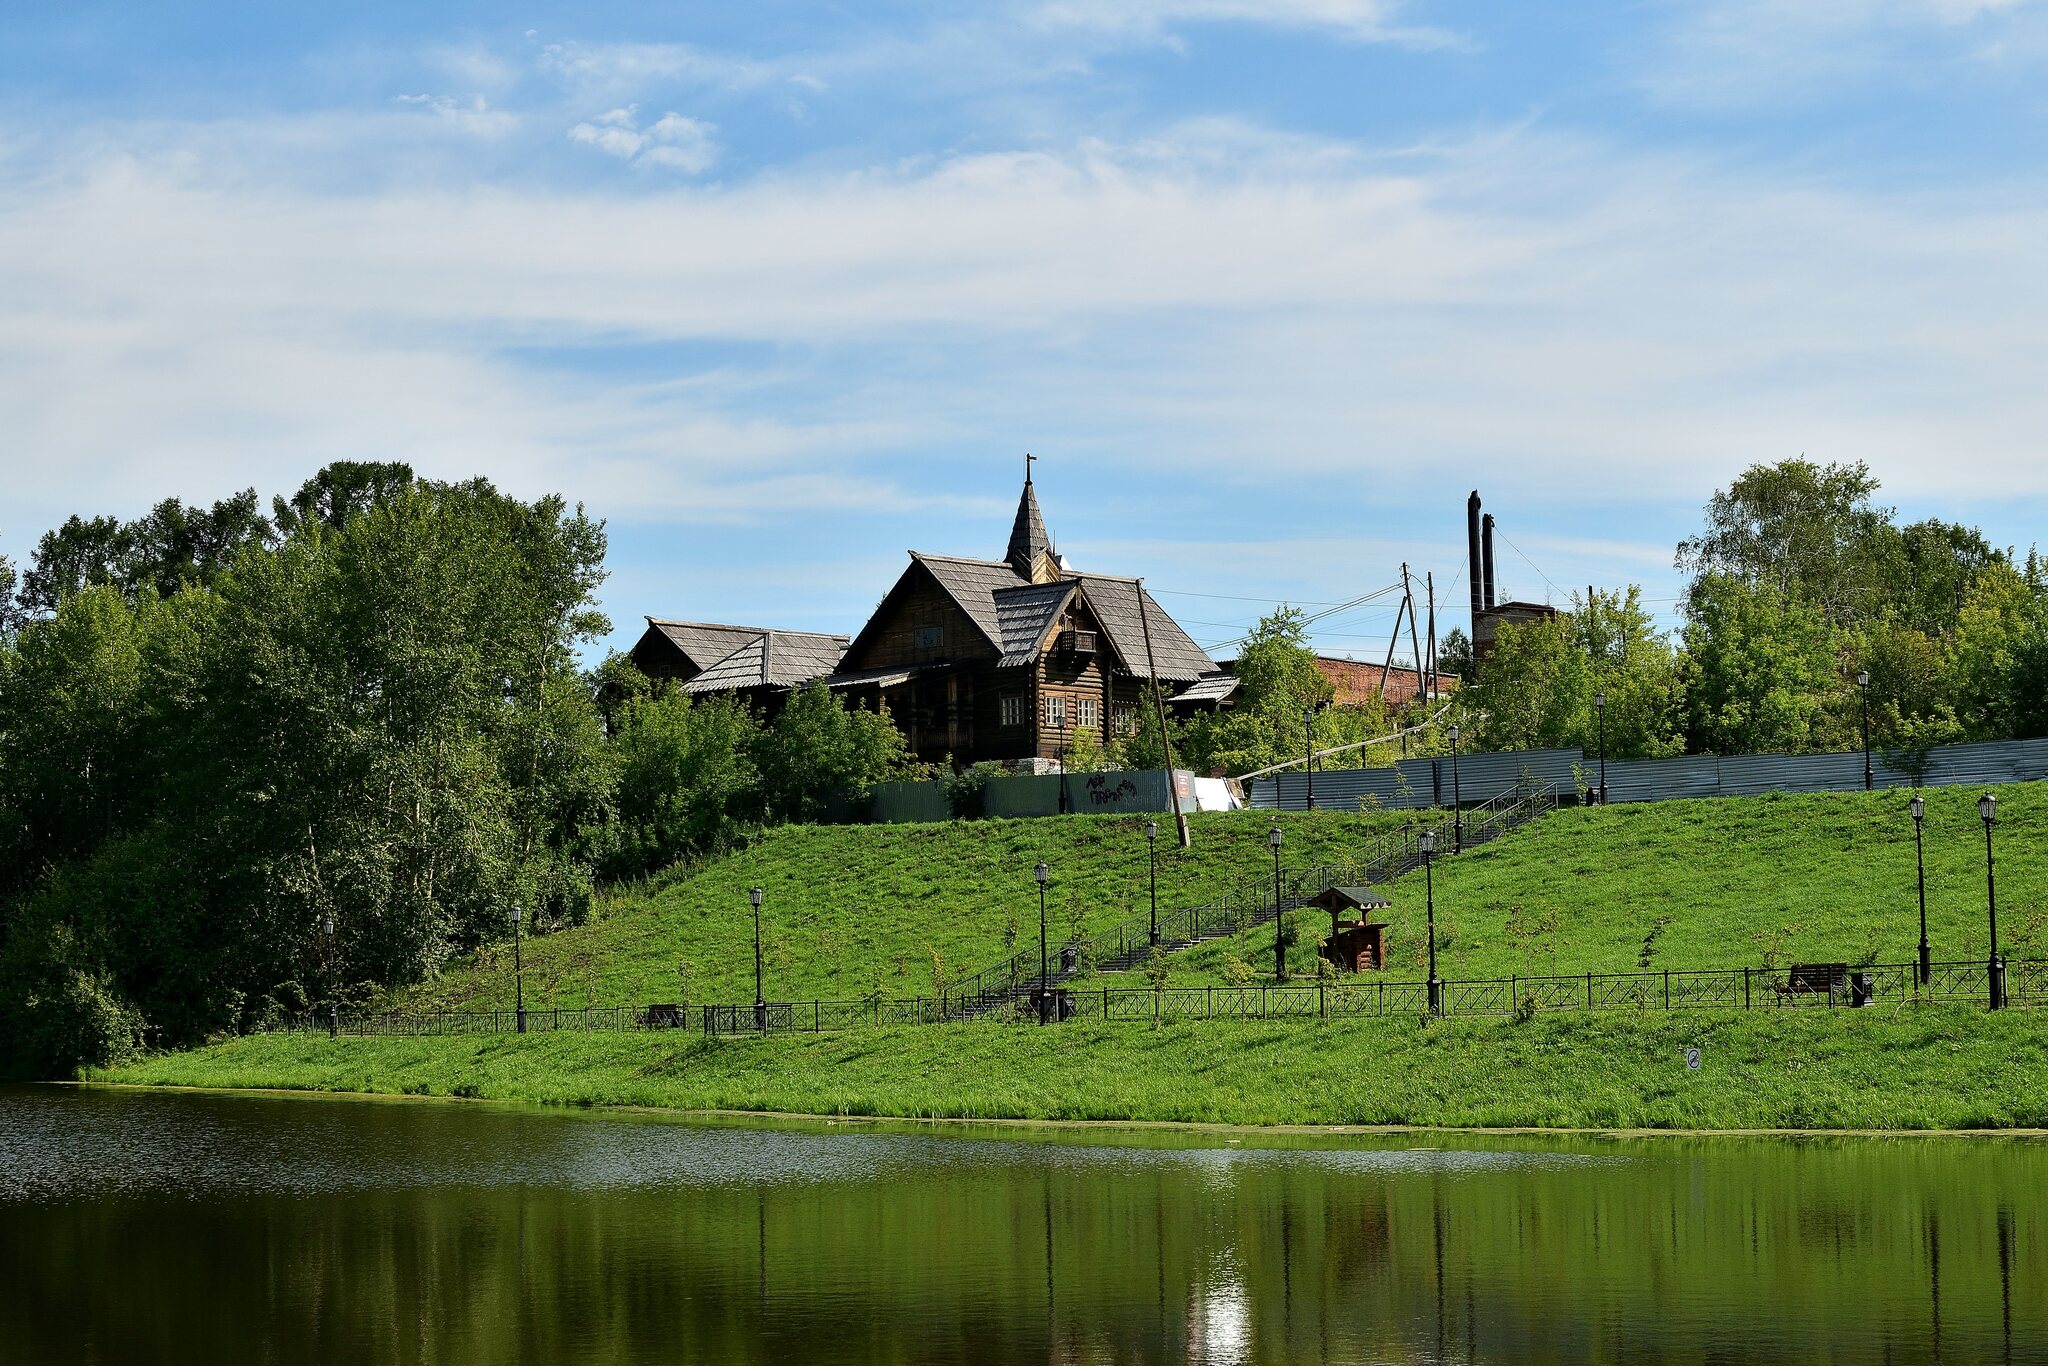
point(1027, 794)
point(1482, 777)
point(1649, 780)
point(1747, 775)
point(1337, 789)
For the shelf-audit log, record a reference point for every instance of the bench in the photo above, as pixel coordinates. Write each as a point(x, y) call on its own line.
point(1832, 980)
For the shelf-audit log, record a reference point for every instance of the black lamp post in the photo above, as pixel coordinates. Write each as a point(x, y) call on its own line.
point(1863, 686)
point(518, 978)
point(1600, 710)
point(333, 1009)
point(1436, 986)
point(1042, 873)
point(1918, 806)
point(1457, 809)
point(1308, 751)
point(1152, 847)
point(760, 1001)
point(1987, 807)
point(1273, 842)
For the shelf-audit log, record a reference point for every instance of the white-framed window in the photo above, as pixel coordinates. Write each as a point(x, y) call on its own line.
point(1056, 711)
point(1087, 713)
point(1013, 710)
point(1126, 719)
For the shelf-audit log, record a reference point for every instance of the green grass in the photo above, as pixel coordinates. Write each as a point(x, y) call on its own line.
point(851, 909)
point(1927, 1067)
point(1705, 884)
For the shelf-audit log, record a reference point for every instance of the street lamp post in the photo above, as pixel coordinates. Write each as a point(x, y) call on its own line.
point(1600, 710)
point(1457, 809)
point(1436, 986)
point(760, 1000)
point(1919, 809)
point(518, 978)
point(1863, 686)
point(1987, 807)
point(1042, 873)
point(333, 1009)
point(1273, 842)
point(1152, 847)
point(1308, 751)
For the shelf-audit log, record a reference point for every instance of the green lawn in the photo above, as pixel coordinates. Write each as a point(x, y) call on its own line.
point(1723, 882)
point(850, 909)
point(1925, 1067)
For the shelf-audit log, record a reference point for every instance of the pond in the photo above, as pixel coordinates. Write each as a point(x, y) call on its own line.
point(144, 1227)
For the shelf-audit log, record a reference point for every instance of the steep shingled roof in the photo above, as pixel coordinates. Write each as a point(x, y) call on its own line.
point(704, 643)
point(773, 659)
point(1025, 613)
point(976, 585)
point(1028, 536)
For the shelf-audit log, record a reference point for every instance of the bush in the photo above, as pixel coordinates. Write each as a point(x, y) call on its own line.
point(967, 790)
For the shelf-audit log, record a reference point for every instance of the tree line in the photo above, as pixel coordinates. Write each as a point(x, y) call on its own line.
point(222, 730)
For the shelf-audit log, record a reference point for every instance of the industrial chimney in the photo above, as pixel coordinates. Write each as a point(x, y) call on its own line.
point(1475, 574)
point(1486, 554)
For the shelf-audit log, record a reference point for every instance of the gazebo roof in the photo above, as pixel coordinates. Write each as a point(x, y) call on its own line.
point(1349, 899)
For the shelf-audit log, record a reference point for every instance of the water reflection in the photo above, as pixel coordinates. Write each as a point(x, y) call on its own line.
point(156, 1227)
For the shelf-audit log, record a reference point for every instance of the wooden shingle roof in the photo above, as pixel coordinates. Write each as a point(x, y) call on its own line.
point(772, 659)
point(704, 643)
point(1025, 612)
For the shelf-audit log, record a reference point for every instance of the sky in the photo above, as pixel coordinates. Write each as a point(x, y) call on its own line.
point(781, 291)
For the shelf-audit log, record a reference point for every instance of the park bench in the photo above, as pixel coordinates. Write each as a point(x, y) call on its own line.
point(665, 1016)
point(1832, 980)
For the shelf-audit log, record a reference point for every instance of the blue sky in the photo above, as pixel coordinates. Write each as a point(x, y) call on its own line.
point(781, 291)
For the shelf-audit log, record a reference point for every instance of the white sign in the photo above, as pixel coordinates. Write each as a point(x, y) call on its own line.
point(1692, 1060)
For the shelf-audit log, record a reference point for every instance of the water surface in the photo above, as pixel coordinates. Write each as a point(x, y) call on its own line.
point(159, 1227)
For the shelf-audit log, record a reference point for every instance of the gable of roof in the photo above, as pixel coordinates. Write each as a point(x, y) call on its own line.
point(701, 643)
point(1025, 613)
point(1117, 604)
point(772, 659)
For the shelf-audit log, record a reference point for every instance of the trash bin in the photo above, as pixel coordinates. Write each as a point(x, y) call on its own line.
point(1069, 957)
point(1861, 989)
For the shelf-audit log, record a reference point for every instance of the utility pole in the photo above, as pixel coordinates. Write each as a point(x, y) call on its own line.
point(1180, 817)
point(1392, 641)
point(1408, 596)
point(1429, 583)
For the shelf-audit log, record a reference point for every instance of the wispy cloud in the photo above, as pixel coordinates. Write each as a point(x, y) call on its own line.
point(671, 141)
point(1371, 21)
point(1774, 53)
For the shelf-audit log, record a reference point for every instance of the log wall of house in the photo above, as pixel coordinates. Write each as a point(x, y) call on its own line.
point(1074, 677)
point(920, 606)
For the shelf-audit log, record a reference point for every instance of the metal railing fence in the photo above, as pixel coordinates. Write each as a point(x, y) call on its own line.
point(1676, 989)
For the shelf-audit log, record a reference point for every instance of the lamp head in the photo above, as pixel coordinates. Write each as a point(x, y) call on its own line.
point(755, 897)
point(1428, 841)
point(1987, 807)
point(515, 913)
point(328, 925)
point(1863, 678)
point(1273, 838)
point(1042, 873)
point(1919, 808)
point(1600, 698)
point(1151, 830)
point(1452, 732)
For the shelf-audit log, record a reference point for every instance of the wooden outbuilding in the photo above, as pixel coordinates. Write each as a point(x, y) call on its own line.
point(1356, 945)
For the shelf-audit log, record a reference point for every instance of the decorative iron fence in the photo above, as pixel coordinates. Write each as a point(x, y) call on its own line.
point(1729, 989)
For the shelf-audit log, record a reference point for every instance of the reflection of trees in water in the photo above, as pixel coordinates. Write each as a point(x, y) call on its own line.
point(1758, 1250)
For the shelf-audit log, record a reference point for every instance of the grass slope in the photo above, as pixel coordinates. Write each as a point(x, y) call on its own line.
point(1930, 1067)
point(1706, 884)
point(852, 908)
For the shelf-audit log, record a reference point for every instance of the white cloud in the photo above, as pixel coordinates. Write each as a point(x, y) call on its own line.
point(672, 141)
point(1357, 20)
point(1729, 53)
point(1534, 314)
point(473, 115)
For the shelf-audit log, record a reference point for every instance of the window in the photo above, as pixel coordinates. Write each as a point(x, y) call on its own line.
point(930, 637)
point(1126, 719)
point(1088, 713)
point(1056, 711)
point(1013, 711)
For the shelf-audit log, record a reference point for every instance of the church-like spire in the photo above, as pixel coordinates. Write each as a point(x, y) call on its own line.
point(1028, 540)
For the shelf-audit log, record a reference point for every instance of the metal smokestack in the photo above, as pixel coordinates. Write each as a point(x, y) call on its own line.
point(1472, 551)
point(1486, 554)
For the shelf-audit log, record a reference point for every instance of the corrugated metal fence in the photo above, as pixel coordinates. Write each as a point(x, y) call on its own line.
point(1415, 783)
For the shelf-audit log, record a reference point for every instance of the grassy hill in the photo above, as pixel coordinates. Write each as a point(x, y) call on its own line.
point(1721, 882)
point(849, 909)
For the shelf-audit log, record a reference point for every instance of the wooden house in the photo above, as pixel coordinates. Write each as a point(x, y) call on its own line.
point(759, 663)
point(1014, 659)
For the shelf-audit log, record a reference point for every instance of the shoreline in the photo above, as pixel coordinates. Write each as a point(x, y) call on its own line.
point(741, 1118)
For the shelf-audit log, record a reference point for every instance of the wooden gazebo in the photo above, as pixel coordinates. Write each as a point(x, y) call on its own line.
point(1354, 945)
